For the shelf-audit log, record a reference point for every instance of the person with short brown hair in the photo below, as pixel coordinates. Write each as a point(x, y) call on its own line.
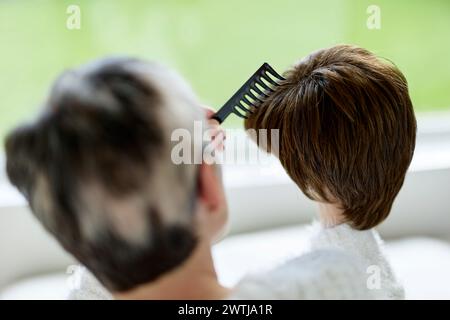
point(347, 132)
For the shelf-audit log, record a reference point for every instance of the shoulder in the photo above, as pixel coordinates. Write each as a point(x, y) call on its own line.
point(366, 246)
point(321, 274)
point(84, 286)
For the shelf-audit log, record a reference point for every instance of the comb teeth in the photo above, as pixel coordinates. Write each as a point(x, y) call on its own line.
point(252, 94)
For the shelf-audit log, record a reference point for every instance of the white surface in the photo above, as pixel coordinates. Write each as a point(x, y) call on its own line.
point(43, 287)
point(422, 264)
point(25, 248)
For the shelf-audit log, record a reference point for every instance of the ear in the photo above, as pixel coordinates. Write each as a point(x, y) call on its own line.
point(21, 158)
point(210, 190)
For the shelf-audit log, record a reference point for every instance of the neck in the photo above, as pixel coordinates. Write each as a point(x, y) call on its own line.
point(195, 279)
point(330, 215)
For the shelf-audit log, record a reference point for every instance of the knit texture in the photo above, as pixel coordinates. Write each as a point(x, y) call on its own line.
point(340, 263)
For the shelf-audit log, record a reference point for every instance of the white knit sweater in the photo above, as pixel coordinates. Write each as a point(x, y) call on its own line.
point(342, 263)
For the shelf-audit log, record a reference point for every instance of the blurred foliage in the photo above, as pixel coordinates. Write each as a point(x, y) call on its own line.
point(216, 45)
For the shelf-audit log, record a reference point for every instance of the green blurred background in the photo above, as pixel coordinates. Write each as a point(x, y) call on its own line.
point(216, 45)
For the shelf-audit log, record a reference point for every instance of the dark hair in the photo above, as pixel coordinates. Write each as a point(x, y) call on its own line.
point(347, 130)
point(102, 130)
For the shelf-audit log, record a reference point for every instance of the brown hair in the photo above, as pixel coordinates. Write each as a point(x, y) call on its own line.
point(347, 130)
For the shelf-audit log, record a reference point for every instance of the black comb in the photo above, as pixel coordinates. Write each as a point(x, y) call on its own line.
point(250, 96)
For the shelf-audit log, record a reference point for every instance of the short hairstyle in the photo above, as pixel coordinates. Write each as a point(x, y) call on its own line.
point(347, 130)
point(95, 168)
